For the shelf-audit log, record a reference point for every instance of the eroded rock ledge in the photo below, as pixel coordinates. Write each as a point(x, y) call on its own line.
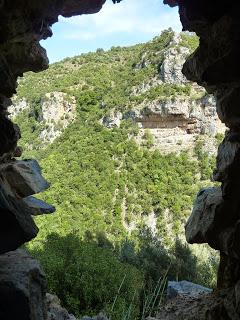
point(215, 218)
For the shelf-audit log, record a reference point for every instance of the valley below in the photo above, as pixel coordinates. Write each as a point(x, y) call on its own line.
point(125, 141)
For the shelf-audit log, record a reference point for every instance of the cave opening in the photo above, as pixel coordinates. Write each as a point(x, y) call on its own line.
point(100, 136)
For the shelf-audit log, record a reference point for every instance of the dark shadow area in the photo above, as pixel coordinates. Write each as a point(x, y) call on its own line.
point(93, 275)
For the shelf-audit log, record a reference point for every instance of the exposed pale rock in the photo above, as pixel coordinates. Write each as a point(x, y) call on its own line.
point(22, 287)
point(174, 124)
point(23, 178)
point(58, 110)
point(171, 68)
point(57, 105)
point(17, 107)
point(112, 120)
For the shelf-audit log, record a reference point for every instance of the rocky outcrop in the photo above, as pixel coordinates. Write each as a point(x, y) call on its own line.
point(185, 289)
point(174, 124)
point(174, 58)
point(18, 181)
point(58, 111)
point(220, 305)
point(17, 107)
point(54, 309)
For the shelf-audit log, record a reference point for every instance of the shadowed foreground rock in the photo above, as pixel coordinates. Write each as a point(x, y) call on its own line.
point(22, 287)
point(220, 306)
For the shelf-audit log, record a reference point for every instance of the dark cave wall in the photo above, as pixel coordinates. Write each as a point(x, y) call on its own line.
point(215, 65)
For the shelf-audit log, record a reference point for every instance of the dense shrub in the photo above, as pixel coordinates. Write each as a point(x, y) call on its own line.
point(88, 278)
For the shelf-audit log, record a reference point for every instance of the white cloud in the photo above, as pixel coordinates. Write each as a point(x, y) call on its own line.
point(129, 16)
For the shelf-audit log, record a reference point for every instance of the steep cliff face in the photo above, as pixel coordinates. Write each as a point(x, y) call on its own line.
point(175, 118)
point(54, 112)
point(174, 58)
point(175, 122)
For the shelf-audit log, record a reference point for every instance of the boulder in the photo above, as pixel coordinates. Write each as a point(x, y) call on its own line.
point(185, 288)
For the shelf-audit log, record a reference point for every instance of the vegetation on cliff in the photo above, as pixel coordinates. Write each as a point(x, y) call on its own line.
point(102, 249)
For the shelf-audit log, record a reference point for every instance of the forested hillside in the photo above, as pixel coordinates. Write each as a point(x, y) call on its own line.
point(101, 126)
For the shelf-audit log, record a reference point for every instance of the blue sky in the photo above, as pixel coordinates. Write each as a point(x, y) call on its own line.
point(126, 23)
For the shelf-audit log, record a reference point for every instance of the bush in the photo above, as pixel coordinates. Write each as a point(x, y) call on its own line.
point(87, 278)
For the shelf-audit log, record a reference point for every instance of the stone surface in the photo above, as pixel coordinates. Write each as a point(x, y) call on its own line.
point(54, 309)
point(22, 178)
point(185, 288)
point(22, 287)
point(175, 123)
point(213, 306)
point(100, 316)
point(174, 58)
point(201, 224)
point(58, 111)
point(17, 225)
point(37, 206)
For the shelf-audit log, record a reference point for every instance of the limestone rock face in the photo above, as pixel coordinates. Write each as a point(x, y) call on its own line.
point(112, 120)
point(175, 124)
point(22, 287)
point(58, 111)
point(17, 106)
point(174, 58)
